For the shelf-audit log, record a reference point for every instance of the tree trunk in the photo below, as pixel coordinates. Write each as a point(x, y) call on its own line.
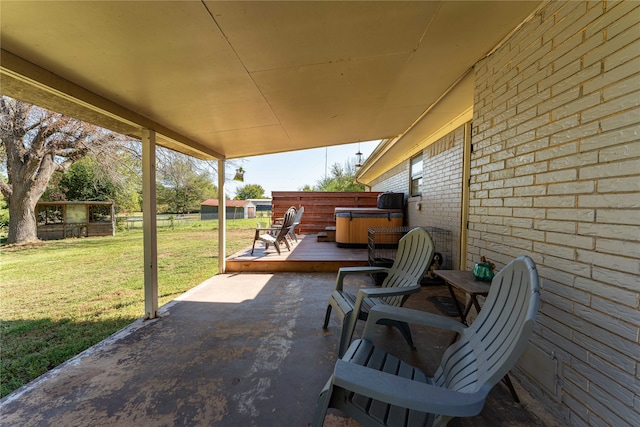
point(22, 223)
point(34, 151)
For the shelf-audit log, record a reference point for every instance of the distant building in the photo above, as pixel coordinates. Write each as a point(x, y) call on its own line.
point(263, 206)
point(60, 220)
point(236, 209)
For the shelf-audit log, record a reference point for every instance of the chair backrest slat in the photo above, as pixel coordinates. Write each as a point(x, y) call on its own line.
point(414, 256)
point(489, 348)
point(298, 216)
point(286, 223)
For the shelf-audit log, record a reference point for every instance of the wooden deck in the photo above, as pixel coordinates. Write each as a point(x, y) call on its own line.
point(308, 255)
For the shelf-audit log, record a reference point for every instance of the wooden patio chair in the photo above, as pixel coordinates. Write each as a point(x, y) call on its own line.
point(377, 389)
point(415, 252)
point(275, 235)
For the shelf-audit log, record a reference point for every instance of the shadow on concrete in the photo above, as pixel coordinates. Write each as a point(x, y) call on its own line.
point(238, 350)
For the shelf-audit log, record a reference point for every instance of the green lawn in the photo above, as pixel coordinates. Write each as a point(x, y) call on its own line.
point(60, 297)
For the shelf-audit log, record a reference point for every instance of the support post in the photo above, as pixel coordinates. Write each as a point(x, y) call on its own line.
point(149, 224)
point(222, 219)
point(466, 176)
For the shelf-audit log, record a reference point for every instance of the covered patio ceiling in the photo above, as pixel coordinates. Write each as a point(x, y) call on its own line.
point(235, 79)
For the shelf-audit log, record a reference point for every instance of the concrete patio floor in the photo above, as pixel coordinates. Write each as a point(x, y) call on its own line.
point(237, 350)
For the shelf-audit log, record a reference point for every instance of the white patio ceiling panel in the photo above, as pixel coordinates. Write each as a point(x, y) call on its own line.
point(237, 79)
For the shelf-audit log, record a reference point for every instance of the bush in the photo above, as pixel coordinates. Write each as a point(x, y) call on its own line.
point(121, 223)
point(4, 214)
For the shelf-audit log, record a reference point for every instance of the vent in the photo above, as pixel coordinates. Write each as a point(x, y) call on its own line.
point(542, 368)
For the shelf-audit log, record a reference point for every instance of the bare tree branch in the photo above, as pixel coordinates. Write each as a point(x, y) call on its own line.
point(5, 189)
point(38, 143)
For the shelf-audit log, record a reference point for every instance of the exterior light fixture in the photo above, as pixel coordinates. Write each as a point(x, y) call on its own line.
point(359, 157)
point(239, 176)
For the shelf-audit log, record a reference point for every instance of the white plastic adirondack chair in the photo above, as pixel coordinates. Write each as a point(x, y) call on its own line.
point(296, 221)
point(377, 389)
point(415, 252)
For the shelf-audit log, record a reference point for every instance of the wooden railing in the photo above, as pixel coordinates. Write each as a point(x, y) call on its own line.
point(319, 206)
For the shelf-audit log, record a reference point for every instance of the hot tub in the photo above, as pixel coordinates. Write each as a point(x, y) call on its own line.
point(352, 224)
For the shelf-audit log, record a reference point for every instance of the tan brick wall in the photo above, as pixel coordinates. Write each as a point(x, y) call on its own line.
point(555, 174)
point(440, 203)
point(395, 180)
point(441, 200)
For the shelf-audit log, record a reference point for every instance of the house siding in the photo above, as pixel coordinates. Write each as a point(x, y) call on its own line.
point(440, 204)
point(441, 200)
point(555, 174)
point(395, 180)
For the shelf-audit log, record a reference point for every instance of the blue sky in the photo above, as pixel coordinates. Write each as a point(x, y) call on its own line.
point(291, 171)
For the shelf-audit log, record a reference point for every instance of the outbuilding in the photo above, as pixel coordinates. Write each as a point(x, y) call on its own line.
point(60, 220)
point(263, 207)
point(236, 209)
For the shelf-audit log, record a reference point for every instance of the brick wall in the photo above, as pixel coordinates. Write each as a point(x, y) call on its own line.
point(441, 200)
point(440, 203)
point(395, 180)
point(555, 174)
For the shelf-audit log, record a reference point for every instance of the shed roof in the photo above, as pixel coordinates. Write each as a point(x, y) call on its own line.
point(73, 202)
point(229, 203)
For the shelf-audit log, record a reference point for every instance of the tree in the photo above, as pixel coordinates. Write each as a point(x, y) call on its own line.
point(341, 179)
point(183, 183)
point(84, 181)
point(250, 191)
point(118, 181)
point(35, 143)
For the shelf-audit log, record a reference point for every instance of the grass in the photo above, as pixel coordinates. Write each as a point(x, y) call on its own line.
point(58, 298)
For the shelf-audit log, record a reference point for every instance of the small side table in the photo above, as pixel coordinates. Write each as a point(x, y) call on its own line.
point(464, 281)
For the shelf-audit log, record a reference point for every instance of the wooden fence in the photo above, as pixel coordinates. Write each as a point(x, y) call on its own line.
point(319, 206)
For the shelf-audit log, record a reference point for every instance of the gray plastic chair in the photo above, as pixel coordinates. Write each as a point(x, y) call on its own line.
point(291, 234)
point(415, 252)
point(377, 389)
point(275, 235)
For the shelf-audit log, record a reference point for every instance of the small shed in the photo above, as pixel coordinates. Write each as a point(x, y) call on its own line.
point(263, 207)
point(60, 220)
point(236, 209)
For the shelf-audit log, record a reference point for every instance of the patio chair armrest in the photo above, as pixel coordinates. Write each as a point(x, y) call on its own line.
point(381, 293)
point(405, 392)
point(267, 229)
point(387, 292)
point(408, 315)
point(344, 271)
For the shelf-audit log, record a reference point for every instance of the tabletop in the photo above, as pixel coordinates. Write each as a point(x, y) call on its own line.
point(464, 280)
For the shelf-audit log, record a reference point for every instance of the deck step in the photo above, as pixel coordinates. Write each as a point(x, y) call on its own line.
point(328, 235)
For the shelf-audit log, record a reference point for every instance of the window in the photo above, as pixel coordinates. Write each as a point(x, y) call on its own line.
point(100, 213)
point(49, 214)
point(416, 176)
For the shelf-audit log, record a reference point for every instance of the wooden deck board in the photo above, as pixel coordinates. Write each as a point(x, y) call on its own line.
point(308, 255)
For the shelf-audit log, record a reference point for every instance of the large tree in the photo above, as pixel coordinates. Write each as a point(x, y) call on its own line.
point(118, 181)
point(35, 143)
point(183, 182)
point(341, 179)
point(250, 191)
